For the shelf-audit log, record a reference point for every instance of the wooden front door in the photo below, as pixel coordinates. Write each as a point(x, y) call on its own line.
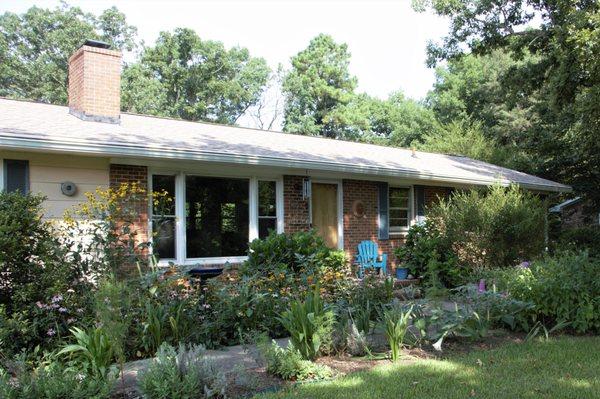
point(324, 206)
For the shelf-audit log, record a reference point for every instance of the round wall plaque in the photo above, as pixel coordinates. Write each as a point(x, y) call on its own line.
point(68, 188)
point(358, 209)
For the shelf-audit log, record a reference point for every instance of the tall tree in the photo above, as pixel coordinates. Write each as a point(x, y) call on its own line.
point(186, 77)
point(35, 48)
point(318, 83)
point(396, 121)
point(565, 73)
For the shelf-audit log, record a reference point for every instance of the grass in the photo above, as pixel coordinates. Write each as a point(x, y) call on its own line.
point(565, 367)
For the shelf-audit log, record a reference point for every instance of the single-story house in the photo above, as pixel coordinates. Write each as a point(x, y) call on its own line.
point(230, 184)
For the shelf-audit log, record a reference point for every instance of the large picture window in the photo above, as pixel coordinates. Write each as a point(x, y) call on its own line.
point(399, 207)
point(163, 218)
point(217, 217)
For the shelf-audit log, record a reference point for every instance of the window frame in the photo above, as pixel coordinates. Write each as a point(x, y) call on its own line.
point(402, 230)
point(151, 213)
point(4, 173)
point(277, 216)
point(180, 229)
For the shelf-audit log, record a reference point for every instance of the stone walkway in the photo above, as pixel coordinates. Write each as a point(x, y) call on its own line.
point(226, 359)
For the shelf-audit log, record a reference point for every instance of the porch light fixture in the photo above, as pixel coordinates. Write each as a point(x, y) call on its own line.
point(306, 189)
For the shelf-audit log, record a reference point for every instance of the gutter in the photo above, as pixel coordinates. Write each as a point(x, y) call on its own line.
point(125, 150)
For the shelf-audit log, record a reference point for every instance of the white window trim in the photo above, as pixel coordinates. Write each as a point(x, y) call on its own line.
point(1, 174)
point(180, 224)
point(411, 211)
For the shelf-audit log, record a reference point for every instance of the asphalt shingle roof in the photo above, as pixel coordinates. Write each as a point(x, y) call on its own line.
point(28, 125)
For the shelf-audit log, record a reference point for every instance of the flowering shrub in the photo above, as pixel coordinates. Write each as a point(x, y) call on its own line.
point(110, 223)
point(41, 294)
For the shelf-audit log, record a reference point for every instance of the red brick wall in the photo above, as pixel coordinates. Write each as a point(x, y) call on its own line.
point(295, 209)
point(120, 174)
point(356, 228)
point(433, 193)
point(95, 83)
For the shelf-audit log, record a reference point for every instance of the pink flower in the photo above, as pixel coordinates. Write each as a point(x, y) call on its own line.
point(62, 310)
point(481, 288)
point(40, 305)
point(57, 298)
point(50, 332)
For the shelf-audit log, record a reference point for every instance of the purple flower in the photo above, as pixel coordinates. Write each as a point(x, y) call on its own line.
point(62, 310)
point(50, 332)
point(481, 288)
point(57, 298)
point(524, 265)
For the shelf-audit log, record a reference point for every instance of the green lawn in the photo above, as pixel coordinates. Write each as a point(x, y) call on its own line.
point(562, 368)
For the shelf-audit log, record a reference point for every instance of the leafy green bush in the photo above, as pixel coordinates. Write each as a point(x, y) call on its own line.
point(564, 288)
point(181, 373)
point(54, 381)
point(426, 254)
point(42, 294)
point(581, 238)
point(498, 227)
point(310, 324)
point(299, 252)
point(289, 364)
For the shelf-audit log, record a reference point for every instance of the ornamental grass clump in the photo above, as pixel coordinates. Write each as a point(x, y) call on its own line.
point(396, 321)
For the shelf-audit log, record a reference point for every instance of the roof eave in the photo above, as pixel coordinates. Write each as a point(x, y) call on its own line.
point(64, 146)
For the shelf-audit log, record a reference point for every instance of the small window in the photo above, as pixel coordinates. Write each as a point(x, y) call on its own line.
point(16, 175)
point(163, 218)
point(399, 208)
point(267, 208)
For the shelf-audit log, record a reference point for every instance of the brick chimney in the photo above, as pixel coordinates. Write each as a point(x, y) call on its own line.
point(95, 83)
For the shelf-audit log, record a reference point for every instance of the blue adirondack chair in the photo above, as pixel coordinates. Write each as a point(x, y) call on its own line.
point(368, 256)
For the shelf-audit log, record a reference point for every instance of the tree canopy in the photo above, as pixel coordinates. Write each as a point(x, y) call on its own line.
point(186, 77)
point(317, 84)
point(549, 102)
point(35, 48)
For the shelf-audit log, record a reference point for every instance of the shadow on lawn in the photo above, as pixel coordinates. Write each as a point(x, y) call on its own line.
point(541, 370)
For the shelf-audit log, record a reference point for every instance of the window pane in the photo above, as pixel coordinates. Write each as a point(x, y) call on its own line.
point(217, 217)
point(398, 213)
point(266, 198)
point(163, 238)
point(398, 202)
point(162, 183)
point(399, 197)
point(16, 174)
point(265, 225)
point(399, 223)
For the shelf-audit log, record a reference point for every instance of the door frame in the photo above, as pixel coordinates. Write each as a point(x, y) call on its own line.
point(340, 206)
